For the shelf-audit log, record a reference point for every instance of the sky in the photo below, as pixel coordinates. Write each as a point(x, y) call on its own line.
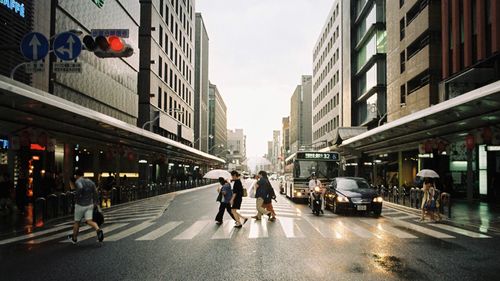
point(258, 51)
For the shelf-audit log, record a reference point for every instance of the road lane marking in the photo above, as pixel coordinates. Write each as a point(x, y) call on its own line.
point(193, 230)
point(126, 220)
point(129, 231)
point(225, 231)
point(388, 229)
point(358, 230)
point(258, 229)
point(461, 231)
point(129, 217)
point(55, 236)
point(32, 235)
point(290, 228)
point(327, 230)
point(92, 234)
point(159, 232)
point(135, 210)
point(422, 229)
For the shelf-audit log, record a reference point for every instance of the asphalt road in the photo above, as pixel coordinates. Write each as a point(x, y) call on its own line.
point(175, 238)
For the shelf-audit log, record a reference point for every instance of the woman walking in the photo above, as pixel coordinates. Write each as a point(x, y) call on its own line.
point(236, 199)
point(225, 195)
point(429, 204)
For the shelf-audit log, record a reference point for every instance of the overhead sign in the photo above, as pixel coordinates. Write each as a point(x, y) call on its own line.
point(123, 33)
point(15, 6)
point(67, 46)
point(67, 67)
point(33, 67)
point(34, 46)
point(318, 155)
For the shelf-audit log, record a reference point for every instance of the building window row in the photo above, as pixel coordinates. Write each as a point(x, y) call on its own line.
point(326, 51)
point(327, 108)
point(416, 46)
point(173, 108)
point(327, 88)
point(327, 128)
point(331, 21)
point(411, 15)
point(174, 82)
point(328, 67)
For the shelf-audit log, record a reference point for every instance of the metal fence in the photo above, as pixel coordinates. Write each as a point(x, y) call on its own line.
point(412, 197)
point(63, 204)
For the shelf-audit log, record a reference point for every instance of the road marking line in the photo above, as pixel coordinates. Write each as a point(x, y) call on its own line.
point(159, 232)
point(224, 232)
point(55, 236)
point(135, 210)
point(388, 229)
point(290, 228)
point(32, 235)
point(326, 230)
point(193, 230)
point(130, 217)
point(258, 229)
point(358, 230)
point(126, 220)
point(461, 231)
point(129, 231)
point(92, 234)
point(422, 229)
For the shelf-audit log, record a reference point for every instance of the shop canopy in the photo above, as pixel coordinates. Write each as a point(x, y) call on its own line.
point(23, 106)
point(452, 119)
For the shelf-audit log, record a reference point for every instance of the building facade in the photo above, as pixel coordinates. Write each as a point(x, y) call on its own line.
point(326, 81)
point(236, 146)
point(301, 115)
point(285, 137)
point(276, 160)
point(166, 77)
point(217, 123)
point(201, 85)
point(413, 56)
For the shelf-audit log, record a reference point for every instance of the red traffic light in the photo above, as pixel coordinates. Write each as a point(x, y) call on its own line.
point(115, 43)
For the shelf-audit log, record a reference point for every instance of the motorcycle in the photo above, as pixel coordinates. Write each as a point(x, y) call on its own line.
point(317, 201)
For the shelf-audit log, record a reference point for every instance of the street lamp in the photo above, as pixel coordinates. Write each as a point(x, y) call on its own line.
point(209, 136)
point(158, 117)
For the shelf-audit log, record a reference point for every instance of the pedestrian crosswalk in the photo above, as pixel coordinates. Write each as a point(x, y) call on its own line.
point(141, 224)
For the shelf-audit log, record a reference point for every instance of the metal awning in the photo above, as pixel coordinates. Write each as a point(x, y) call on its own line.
point(449, 119)
point(22, 106)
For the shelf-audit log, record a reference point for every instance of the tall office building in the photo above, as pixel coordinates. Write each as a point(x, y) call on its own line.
point(166, 77)
point(236, 146)
point(327, 72)
point(201, 85)
point(276, 150)
point(217, 123)
point(301, 115)
point(413, 56)
point(285, 137)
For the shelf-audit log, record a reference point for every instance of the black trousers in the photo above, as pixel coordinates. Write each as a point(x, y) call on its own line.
point(220, 214)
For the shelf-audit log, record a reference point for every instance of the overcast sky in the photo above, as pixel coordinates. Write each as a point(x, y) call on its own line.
point(258, 51)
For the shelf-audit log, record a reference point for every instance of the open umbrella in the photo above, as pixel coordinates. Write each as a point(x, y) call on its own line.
point(216, 174)
point(427, 173)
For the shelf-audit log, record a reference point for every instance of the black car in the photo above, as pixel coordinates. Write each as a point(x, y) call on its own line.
point(352, 194)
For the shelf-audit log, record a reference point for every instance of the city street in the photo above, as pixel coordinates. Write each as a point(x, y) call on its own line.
point(174, 237)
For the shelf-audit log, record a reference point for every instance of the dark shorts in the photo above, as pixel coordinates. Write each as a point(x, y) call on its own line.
point(237, 204)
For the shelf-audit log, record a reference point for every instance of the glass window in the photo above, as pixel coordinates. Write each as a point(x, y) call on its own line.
point(351, 184)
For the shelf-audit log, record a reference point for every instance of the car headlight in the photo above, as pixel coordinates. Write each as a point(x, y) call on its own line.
point(378, 199)
point(299, 193)
point(342, 198)
point(316, 189)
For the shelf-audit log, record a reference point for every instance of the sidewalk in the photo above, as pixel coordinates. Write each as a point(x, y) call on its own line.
point(480, 216)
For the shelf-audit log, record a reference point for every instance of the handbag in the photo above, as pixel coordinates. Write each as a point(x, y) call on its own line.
point(219, 197)
point(97, 216)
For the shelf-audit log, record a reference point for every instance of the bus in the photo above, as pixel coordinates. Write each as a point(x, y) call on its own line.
point(301, 165)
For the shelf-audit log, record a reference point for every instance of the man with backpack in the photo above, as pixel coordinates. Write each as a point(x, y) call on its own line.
point(261, 193)
point(85, 200)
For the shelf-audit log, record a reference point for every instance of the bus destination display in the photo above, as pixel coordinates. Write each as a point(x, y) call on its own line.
point(318, 156)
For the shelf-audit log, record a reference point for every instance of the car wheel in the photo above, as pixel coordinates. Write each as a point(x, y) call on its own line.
point(335, 207)
point(377, 213)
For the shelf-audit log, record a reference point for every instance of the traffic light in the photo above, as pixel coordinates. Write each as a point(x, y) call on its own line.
point(108, 47)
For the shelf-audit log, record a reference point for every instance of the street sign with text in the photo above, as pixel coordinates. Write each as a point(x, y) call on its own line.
point(35, 66)
point(67, 67)
point(67, 46)
point(123, 33)
point(34, 46)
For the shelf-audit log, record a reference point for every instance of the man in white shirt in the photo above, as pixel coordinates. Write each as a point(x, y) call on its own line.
point(312, 184)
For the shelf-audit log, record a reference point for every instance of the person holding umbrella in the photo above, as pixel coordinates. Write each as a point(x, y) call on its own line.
point(429, 203)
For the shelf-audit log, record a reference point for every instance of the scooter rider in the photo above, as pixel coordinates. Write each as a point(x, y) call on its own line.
point(312, 184)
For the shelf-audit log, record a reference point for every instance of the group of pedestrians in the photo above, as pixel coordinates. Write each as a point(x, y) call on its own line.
point(231, 197)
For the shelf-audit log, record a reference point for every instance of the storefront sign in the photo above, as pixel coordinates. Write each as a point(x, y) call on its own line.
point(15, 6)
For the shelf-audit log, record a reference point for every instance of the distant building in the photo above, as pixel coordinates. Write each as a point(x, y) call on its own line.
point(201, 85)
point(301, 115)
point(275, 161)
point(285, 136)
point(217, 123)
point(236, 146)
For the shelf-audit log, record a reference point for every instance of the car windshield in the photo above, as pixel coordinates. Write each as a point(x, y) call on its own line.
point(322, 169)
point(351, 184)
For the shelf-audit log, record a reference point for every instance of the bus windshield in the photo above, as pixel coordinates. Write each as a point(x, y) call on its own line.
point(322, 169)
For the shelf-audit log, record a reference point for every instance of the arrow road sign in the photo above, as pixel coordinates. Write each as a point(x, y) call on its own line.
point(34, 46)
point(67, 46)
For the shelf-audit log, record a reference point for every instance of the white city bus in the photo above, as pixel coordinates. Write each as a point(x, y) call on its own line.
point(299, 167)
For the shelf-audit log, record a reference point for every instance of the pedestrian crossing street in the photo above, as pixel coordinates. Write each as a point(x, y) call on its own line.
point(139, 223)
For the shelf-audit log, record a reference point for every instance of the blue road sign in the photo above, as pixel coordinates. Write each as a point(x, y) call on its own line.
point(67, 46)
point(34, 46)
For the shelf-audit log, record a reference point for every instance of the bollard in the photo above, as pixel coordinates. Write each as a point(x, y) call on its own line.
point(445, 198)
point(51, 206)
point(63, 204)
point(412, 196)
point(395, 195)
point(39, 207)
point(113, 195)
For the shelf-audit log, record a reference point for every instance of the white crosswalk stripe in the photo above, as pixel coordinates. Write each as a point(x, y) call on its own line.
point(55, 236)
point(129, 231)
point(159, 232)
point(388, 229)
point(92, 234)
point(258, 229)
point(290, 228)
point(193, 230)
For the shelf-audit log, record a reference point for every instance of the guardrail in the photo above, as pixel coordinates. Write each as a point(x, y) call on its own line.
point(62, 204)
point(412, 197)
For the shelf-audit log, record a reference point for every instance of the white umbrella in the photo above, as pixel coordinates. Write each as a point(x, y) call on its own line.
point(216, 174)
point(427, 173)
